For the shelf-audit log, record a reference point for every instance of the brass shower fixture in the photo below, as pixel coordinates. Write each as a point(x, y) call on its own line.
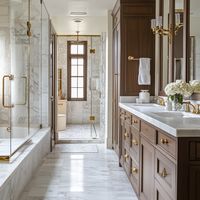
point(29, 34)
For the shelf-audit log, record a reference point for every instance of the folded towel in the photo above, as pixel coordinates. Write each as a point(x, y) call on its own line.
point(144, 77)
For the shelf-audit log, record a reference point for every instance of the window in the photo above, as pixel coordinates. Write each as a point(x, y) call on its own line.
point(77, 71)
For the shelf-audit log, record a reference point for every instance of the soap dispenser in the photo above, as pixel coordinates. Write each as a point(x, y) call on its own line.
point(144, 96)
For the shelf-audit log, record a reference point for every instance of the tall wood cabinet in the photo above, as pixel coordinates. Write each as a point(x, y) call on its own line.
point(132, 39)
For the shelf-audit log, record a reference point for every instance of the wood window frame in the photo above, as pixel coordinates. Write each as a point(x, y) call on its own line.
point(69, 57)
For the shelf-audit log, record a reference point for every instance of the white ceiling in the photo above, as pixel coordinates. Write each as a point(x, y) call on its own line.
point(92, 7)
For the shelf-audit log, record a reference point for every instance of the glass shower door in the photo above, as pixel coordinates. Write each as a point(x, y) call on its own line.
point(14, 65)
point(5, 70)
point(20, 66)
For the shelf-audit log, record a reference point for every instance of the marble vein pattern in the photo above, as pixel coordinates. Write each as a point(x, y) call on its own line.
point(96, 67)
point(80, 131)
point(80, 176)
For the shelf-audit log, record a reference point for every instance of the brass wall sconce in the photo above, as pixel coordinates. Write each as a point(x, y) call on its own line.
point(157, 26)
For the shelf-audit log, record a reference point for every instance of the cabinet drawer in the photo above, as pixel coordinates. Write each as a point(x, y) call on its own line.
point(165, 173)
point(126, 162)
point(134, 175)
point(160, 194)
point(128, 118)
point(167, 143)
point(148, 131)
point(135, 122)
point(122, 114)
point(127, 136)
point(134, 145)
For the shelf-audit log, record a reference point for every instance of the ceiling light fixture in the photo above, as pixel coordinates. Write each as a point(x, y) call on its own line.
point(78, 13)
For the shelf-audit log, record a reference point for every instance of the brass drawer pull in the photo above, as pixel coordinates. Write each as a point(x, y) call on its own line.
point(134, 142)
point(135, 121)
point(164, 141)
point(126, 135)
point(134, 170)
point(163, 173)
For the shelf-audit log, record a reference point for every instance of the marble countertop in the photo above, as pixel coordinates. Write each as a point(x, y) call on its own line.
point(178, 124)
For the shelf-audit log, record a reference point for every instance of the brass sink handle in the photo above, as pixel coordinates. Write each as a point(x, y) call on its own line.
point(134, 170)
point(164, 141)
point(198, 109)
point(134, 142)
point(163, 173)
point(160, 101)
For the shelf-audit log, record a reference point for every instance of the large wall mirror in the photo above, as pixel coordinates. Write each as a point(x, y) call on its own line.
point(194, 40)
point(179, 65)
point(164, 45)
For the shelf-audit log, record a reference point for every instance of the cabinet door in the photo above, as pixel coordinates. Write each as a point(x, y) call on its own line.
point(147, 170)
point(115, 130)
point(116, 88)
point(194, 191)
point(160, 194)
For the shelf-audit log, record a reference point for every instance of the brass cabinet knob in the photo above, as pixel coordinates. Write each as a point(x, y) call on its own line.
point(126, 156)
point(164, 141)
point(135, 121)
point(134, 142)
point(134, 170)
point(163, 173)
point(126, 135)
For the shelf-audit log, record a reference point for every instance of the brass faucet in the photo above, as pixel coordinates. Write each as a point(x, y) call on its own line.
point(195, 110)
point(160, 101)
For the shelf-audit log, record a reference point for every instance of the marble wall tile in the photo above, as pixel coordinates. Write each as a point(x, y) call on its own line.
point(79, 112)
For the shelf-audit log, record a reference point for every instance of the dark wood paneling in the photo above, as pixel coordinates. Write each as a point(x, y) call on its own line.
point(194, 181)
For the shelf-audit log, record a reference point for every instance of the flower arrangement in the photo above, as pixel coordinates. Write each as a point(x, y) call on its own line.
point(179, 87)
point(195, 85)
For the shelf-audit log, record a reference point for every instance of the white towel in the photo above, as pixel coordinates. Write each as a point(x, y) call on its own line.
point(144, 77)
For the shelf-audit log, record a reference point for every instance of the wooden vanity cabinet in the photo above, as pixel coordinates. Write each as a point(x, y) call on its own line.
point(158, 165)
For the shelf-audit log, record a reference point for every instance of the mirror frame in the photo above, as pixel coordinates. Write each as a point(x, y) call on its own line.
point(186, 45)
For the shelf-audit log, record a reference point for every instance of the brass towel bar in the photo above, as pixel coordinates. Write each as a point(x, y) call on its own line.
point(131, 58)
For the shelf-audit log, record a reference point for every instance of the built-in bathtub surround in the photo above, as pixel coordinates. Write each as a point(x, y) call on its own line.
point(16, 174)
point(78, 112)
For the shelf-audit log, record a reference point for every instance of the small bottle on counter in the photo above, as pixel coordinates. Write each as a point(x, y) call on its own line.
point(168, 105)
point(144, 96)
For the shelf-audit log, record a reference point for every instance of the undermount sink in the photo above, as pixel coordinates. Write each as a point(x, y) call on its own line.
point(169, 114)
point(176, 114)
point(145, 105)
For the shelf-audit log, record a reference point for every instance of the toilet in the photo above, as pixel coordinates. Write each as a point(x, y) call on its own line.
point(61, 117)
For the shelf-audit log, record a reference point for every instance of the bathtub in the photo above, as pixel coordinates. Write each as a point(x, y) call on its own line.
point(10, 142)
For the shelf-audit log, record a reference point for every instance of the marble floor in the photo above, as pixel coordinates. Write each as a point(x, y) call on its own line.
point(80, 176)
point(79, 132)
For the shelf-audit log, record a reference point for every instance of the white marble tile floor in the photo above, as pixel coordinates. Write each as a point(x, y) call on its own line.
point(80, 176)
point(79, 132)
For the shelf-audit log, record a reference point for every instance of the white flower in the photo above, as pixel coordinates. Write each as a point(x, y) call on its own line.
point(179, 87)
point(195, 85)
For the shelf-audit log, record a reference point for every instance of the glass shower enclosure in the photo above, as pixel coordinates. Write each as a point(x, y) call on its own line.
point(20, 64)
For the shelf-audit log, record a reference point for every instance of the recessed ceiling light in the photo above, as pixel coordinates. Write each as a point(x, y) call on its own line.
point(78, 13)
point(78, 20)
